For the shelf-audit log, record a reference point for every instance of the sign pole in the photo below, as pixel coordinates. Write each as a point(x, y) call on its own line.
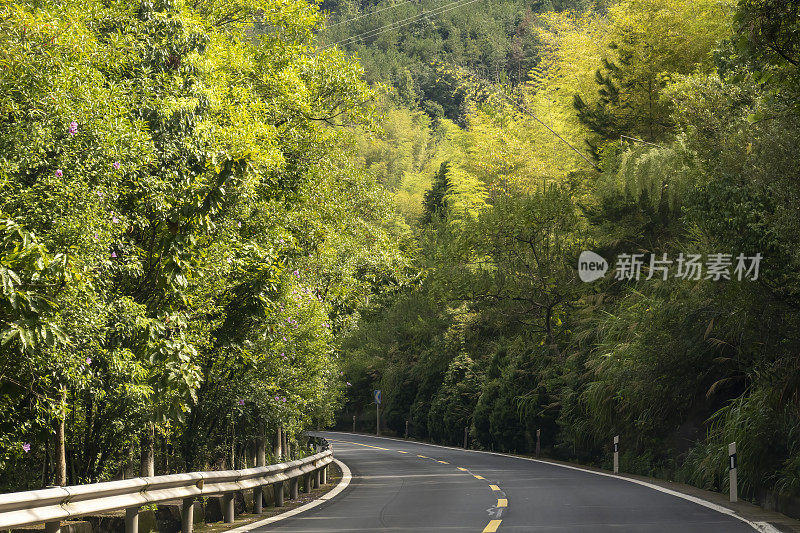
point(616, 454)
point(377, 396)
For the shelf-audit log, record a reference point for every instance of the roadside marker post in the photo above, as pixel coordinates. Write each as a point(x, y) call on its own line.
point(732, 471)
point(406, 429)
point(616, 454)
point(354, 423)
point(466, 435)
point(538, 441)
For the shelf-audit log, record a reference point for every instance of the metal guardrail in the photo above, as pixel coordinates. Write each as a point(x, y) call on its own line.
point(52, 505)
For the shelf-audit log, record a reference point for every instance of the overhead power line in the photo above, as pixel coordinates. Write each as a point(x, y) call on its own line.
point(370, 13)
point(404, 22)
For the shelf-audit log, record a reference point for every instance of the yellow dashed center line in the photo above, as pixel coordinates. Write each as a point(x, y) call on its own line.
point(494, 487)
point(443, 462)
point(462, 469)
point(423, 456)
point(478, 477)
point(401, 451)
point(502, 502)
point(492, 526)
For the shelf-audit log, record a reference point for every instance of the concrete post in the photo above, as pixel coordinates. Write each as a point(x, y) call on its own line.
point(228, 509)
point(317, 475)
point(294, 492)
point(324, 475)
point(258, 501)
point(132, 520)
point(52, 527)
point(406, 429)
point(616, 454)
point(187, 515)
point(538, 441)
point(307, 483)
point(278, 488)
point(732, 471)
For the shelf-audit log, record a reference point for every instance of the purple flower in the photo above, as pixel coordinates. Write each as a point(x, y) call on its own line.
point(284, 339)
point(348, 383)
point(296, 273)
point(114, 255)
point(277, 398)
point(73, 128)
point(280, 241)
point(99, 194)
point(241, 402)
point(239, 224)
point(283, 399)
point(95, 236)
point(59, 173)
point(88, 360)
point(229, 260)
point(26, 447)
point(116, 165)
point(114, 219)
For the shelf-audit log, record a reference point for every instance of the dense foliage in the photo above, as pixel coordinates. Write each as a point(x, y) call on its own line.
point(184, 231)
point(638, 127)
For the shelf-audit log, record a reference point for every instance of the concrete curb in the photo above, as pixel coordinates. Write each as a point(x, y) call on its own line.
point(343, 483)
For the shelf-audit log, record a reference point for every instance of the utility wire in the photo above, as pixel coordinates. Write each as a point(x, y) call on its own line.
point(405, 22)
point(532, 114)
point(370, 13)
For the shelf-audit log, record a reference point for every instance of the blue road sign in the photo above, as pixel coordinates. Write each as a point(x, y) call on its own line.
point(377, 396)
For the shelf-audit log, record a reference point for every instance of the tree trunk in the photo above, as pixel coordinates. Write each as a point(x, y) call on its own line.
point(147, 467)
point(61, 442)
point(261, 446)
point(276, 445)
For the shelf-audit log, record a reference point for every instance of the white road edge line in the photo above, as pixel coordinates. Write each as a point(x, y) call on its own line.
point(343, 483)
point(762, 527)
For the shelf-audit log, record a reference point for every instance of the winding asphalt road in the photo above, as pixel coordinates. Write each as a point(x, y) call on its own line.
point(407, 486)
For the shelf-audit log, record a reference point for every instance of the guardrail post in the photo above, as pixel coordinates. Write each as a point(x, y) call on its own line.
point(616, 454)
point(294, 492)
point(52, 527)
point(132, 520)
point(278, 488)
point(187, 515)
point(324, 475)
point(732, 471)
point(307, 483)
point(228, 502)
point(258, 501)
point(316, 478)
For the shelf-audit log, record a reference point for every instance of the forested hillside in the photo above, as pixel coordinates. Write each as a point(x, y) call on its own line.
point(516, 135)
